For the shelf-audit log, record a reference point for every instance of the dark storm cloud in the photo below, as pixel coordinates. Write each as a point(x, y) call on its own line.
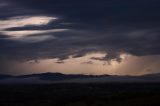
point(110, 26)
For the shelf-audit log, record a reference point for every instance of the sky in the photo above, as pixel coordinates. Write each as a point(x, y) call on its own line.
point(117, 37)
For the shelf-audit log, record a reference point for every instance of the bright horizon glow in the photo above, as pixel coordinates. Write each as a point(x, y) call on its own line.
point(130, 65)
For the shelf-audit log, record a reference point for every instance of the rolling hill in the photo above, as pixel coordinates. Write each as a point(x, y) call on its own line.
point(47, 78)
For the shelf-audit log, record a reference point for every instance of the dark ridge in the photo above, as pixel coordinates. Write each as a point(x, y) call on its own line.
point(56, 76)
point(3, 76)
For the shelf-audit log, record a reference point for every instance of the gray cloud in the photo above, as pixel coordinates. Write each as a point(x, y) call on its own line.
point(107, 26)
point(88, 62)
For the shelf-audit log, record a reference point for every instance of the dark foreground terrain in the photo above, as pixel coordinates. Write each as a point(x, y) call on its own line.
point(109, 94)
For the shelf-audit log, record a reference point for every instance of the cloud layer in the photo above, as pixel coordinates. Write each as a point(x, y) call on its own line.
point(60, 28)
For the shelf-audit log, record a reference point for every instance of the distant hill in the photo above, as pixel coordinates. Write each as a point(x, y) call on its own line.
point(71, 78)
point(55, 76)
point(4, 76)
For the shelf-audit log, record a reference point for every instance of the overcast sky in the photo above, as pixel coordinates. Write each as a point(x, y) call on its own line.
point(80, 36)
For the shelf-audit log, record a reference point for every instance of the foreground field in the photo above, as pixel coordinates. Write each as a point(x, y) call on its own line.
point(109, 94)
